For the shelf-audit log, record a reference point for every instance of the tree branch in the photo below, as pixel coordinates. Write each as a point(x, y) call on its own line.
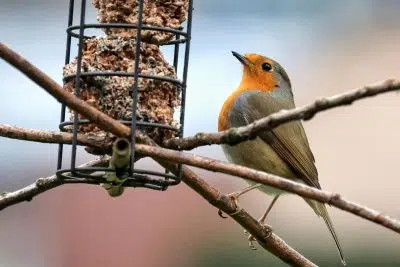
point(333, 199)
point(49, 137)
point(236, 135)
point(270, 242)
point(231, 169)
point(41, 185)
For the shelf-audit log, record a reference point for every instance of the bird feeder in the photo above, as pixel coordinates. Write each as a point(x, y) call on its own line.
point(123, 73)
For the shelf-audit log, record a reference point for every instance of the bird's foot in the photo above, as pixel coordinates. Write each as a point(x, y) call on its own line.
point(251, 239)
point(235, 197)
point(268, 230)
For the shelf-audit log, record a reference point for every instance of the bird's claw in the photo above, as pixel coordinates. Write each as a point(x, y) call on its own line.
point(235, 197)
point(251, 238)
point(268, 229)
point(222, 214)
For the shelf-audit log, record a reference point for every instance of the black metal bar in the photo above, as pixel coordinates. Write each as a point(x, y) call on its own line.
point(185, 74)
point(186, 67)
point(88, 170)
point(140, 171)
point(67, 59)
point(176, 54)
point(124, 26)
point(176, 61)
point(137, 180)
point(78, 83)
point(62, 125)
point(124, 74)
point(172, 42)
point(136, 84)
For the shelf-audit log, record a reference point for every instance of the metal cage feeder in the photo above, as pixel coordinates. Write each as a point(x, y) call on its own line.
point(136, 177)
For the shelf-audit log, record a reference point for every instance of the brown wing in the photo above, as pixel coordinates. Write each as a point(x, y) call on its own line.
point(288, 140)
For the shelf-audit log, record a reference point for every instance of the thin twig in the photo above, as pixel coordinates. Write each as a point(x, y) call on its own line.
point(41, 185)
point(240, 134)
point(270, 242)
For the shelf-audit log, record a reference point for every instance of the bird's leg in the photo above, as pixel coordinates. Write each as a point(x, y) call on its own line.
point(235, 196)
point(262, 220)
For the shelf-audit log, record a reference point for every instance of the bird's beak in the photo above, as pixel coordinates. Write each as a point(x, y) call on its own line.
point(241, 58)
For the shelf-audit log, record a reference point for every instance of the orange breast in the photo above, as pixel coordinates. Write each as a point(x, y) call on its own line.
point(223, 123)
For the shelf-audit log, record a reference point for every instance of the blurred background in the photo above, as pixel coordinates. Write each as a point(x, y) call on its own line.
point(326, 47)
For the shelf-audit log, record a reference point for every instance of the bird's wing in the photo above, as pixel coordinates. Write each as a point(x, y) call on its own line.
point(289, 140)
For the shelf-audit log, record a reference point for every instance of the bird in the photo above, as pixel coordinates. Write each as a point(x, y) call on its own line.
point(265, 88)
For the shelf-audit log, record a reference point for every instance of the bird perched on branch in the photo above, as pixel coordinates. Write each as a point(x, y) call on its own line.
point(265, 89)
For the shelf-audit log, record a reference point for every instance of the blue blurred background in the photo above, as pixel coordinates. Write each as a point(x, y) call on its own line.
point(326, 47)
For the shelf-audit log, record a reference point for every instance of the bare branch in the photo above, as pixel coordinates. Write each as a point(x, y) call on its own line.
point(41, 185)
point(270, 242)
point(235, 170)
point(18, 133)
point(240, 134)
point(44, 184)
point(272, 180)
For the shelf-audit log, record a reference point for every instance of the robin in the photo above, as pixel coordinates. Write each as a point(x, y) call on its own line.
point(265, 88)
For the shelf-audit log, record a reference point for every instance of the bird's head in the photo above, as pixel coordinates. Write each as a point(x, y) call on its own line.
point(262, 73)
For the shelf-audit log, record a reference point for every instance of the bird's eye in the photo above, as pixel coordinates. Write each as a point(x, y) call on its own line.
point(266, 66)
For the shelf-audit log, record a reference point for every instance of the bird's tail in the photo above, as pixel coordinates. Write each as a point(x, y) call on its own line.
point(320, 210)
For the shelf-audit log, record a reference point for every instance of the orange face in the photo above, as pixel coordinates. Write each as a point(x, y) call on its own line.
point(260, 72)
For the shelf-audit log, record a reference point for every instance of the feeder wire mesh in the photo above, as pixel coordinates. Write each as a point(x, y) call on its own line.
point(134, 177)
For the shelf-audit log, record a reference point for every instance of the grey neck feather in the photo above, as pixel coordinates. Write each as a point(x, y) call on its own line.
point(283, 89)
point(284, 85)
point(282, 92)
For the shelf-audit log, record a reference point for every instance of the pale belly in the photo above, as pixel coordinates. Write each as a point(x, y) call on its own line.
point(256, 154)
